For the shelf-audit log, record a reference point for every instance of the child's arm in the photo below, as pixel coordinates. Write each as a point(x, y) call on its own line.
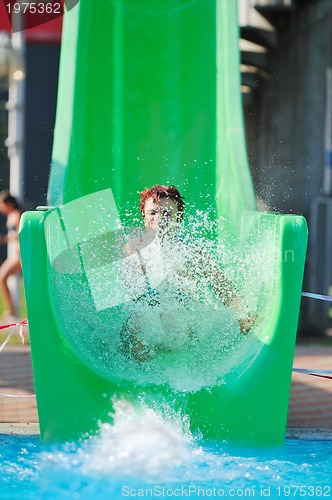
point(227, 292)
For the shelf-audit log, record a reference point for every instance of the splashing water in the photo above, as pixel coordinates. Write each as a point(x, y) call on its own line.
point(150, 453)
point(140, 443)
point(159, 313)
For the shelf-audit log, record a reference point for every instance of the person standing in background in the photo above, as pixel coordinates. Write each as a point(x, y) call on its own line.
point(10, 208)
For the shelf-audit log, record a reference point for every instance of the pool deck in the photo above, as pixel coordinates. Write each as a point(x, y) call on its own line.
point(19, 429)
point(310, 407)
point(310, 403)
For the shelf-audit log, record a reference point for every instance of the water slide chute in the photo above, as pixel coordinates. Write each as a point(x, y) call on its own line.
point(149, 92)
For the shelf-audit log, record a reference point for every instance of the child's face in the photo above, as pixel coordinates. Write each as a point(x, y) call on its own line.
point(160, 214)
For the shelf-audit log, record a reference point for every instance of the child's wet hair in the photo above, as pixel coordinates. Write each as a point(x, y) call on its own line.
point(159, 191)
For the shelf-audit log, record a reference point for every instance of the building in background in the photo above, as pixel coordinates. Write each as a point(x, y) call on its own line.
point(287, 110)
point(39, 81)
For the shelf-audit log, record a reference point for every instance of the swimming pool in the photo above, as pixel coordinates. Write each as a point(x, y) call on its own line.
point(147, 456)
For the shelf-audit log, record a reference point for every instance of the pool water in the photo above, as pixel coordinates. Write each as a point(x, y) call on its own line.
point(146, 455)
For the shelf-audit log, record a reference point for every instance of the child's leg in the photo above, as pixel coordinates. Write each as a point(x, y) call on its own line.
point(9, 268)
point(130, 345)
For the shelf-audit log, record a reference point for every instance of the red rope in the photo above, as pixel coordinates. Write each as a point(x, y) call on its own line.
point(23, 323)
point(20, 326)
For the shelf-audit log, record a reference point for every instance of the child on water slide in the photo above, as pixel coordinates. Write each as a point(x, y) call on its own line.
point(162, 210)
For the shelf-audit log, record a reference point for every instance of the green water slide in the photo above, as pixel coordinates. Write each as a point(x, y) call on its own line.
point(149, 92)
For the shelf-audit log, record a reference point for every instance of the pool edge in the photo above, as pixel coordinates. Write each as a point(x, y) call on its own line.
point(19, 429)
point(309, 434)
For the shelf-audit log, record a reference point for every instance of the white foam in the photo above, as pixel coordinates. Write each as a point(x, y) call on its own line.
point(140, 443)
point(147, 446)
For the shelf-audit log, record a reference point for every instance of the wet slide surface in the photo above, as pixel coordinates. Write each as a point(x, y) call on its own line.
point(156, 99)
